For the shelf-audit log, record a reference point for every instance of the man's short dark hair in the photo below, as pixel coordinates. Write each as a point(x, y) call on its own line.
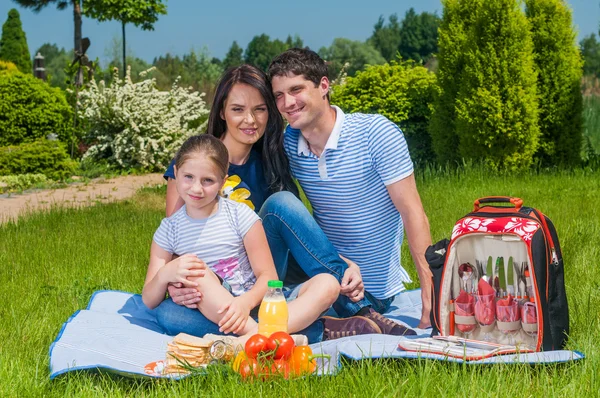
point(299, 62)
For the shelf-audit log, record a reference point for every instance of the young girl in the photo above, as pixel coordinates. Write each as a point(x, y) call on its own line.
point(221, 243)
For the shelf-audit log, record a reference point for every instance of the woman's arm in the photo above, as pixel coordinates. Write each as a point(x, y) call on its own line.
point(174, 201)
point(162, 271)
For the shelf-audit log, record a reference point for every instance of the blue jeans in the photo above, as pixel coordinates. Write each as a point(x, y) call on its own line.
point(290, 228)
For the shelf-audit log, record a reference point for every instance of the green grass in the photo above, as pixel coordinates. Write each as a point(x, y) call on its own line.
point(52, 262)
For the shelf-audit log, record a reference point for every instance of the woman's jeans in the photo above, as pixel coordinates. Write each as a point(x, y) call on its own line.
point(290, 228)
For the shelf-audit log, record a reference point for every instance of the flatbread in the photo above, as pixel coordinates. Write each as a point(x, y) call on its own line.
point(191, 341)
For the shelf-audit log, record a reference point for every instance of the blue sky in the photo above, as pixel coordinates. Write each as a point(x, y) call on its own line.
point(195, 24)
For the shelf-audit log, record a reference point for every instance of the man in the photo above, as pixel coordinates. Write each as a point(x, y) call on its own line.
point(357, 173)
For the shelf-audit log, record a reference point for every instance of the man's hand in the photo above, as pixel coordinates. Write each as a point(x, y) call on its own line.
point(352, 284)
point(236, 316)
point(186, 296)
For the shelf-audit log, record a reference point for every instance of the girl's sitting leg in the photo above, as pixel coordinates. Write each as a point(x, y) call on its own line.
point(214, 298)
point(315, 297)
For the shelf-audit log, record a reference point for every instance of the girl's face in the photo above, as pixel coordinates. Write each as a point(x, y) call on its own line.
point(245, 113)
point(198, 183)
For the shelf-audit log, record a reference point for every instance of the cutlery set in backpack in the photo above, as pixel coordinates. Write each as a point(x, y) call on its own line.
point(500, 278)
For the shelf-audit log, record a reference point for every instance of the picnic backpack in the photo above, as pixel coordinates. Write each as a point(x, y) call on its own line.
point(508, 233)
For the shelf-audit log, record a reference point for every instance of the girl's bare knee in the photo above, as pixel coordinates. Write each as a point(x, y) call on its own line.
point(328, 286)
point(208, 280)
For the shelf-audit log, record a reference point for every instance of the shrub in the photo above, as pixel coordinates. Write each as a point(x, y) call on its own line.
point(136, 126)
point(496, 105)
point(21, 182)
point(457, 19)
point(30, 109)
point(559, 66)
point(399, 91)
point(40, 157)
point(8, 68)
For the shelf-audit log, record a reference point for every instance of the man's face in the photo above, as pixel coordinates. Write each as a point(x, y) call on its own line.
point(299, 101)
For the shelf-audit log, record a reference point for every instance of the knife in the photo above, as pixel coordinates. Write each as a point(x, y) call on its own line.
point(510, 277)
point(488, 271)
point(501, 277)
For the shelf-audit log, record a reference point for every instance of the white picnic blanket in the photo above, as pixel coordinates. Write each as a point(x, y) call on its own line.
point(118, 333)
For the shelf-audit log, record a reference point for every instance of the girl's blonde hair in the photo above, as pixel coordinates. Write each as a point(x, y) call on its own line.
point(207, 145)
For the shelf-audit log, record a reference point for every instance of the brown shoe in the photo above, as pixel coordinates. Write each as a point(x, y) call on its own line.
point(388, 326)
point(335, 328)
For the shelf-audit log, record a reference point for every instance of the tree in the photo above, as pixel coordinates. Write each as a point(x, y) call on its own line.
point(13, 43)
point(458, 18)
point(496, 104)
point(55, 61)
point(261, 50)
point(386, 38)
point(234, 57)
point(590, 51)
point(141, 13)
point(295, 42)
point(38, 5)
point(418, 36)
point(356, 53)
point(559, 67)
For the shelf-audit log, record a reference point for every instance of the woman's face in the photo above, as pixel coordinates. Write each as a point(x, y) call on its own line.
point(245, 113)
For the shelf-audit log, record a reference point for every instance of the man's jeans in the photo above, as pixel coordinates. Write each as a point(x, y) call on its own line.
point(290, 228)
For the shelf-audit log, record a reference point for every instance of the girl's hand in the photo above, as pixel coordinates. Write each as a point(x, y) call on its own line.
point(184, 267)
point(186, 296)
point(236, 316)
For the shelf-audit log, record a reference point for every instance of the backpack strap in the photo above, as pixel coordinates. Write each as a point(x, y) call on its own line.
point(517, 202)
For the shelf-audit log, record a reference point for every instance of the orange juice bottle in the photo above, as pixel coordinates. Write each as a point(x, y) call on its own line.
point(273, 311)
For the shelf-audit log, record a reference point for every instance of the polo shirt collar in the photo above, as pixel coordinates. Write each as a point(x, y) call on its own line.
point(332, 141)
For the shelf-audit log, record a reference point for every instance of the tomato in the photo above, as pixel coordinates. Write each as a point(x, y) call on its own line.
point(302, 361)
point(282, 344)
point(255, 345)
point(248, 368)
point(281, 367)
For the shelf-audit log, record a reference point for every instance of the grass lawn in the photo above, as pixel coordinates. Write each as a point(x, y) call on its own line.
point(52, 262)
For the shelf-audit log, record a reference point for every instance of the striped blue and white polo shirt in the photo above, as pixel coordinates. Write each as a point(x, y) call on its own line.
point(346, 186)
point(217, 240)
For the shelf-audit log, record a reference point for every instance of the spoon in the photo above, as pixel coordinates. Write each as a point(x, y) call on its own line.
point(465, 271)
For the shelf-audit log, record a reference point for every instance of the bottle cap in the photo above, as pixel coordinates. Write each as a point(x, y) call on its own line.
point(275, 284)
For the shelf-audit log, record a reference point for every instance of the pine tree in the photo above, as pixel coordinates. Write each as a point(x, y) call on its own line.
point(13, 44)
point(496, 105)
point(234, 56)
point(559, 68)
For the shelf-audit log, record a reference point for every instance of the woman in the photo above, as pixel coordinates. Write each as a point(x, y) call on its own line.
point(245, 117)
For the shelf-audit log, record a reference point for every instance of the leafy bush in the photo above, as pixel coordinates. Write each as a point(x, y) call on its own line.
point(30, 109)
point(497, 114)
point(21, 182)
point(559, 66)
point(401, 92)
point(8, 68)
point(39, 157)
point(136, 126)
point(457, 19)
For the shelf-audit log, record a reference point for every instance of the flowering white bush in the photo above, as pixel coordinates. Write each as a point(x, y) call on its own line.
point(134, 125)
